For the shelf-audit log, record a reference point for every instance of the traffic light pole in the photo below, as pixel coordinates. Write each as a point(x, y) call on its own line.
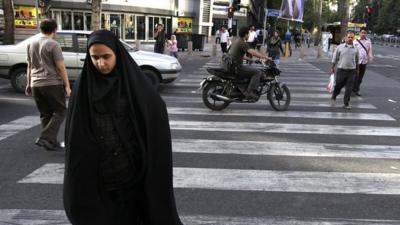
point(230, 20)
point(37, 13)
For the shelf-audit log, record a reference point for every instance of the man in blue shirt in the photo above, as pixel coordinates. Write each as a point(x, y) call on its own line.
point(288, 39)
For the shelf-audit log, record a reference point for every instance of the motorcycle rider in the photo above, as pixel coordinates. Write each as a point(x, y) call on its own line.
point(238, 51)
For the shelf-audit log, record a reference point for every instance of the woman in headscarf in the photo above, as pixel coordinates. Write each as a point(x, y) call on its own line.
point(118, 167)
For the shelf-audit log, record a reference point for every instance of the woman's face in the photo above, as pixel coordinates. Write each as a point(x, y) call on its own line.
point(103, 58)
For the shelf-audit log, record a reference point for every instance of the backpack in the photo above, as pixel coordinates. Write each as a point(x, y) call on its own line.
point(228, 63)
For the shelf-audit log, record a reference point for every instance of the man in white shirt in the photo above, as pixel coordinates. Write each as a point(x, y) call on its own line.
point(224, 38)
point(364, 47)
point(251, 41)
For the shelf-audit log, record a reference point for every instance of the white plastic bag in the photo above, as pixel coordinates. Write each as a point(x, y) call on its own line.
point(331, 84)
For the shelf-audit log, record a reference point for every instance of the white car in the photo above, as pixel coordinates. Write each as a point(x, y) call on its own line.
point(158, 67)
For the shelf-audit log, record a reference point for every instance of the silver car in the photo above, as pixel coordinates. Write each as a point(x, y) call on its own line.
point(158, 68)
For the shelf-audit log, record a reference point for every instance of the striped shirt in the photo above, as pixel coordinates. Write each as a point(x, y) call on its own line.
point(363, 53)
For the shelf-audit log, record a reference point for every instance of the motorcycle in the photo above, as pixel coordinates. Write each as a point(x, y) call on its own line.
point(222, 88)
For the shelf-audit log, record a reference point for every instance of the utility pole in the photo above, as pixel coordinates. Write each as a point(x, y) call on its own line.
point(37, 13)
point(319, 54)
point(230, 18)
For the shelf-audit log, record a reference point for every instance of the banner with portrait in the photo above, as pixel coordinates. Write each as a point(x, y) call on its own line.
point(292, 10)
point(184, 25)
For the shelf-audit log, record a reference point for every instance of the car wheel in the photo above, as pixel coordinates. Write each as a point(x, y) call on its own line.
point(18, 79)
point(153, 77)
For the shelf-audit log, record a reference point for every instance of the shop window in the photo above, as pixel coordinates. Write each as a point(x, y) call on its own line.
point(78, 20)
point(151, 28)
point(169, 26)
point(82, 42)
point(115, 24)
point(66, 21)
point(141, 27)
point(88, 21)
point(129, 27)
point(66, 42)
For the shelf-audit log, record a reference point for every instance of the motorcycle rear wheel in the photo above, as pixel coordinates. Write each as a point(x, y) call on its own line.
point(279, 97)
point(214, 88)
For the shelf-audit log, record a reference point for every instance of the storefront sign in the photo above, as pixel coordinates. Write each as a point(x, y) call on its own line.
point(223, 10)
point(184, 25)
point(25, 17)
point(272, 12)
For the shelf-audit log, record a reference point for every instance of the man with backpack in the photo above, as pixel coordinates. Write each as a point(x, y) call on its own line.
point(364, 47)
point(237, 52)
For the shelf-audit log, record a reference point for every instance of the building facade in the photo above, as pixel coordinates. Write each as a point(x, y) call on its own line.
point(134, 20)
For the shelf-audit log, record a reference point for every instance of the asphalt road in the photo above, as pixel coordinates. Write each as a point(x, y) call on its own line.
point(248, 164)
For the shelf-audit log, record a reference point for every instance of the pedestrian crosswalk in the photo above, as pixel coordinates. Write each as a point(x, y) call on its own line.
point(326, 165)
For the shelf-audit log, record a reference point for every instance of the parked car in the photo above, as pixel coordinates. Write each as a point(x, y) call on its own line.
point(158, 68)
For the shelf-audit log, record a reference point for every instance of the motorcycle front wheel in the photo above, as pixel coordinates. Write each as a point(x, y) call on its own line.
point(279, 97)
point(209, 96)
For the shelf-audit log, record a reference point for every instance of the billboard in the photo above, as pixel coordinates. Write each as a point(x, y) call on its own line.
point(25, 16)
point(292, 10)
point(184, 25)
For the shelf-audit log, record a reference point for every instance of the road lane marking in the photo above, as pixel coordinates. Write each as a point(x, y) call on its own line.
point(41, 217)
point(284, 128)
point(257, 180)
point(285, 149)
point(313, 103)
point(286, 114)
point(18, 125)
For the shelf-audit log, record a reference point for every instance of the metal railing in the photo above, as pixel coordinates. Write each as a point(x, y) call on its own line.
point(386, 40)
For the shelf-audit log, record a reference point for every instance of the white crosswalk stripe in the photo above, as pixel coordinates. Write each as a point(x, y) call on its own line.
point(42, 217)
point(195, 134)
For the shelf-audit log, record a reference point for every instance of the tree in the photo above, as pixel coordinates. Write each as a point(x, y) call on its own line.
point(96, 14)
point(8, 7)
point(344, 15)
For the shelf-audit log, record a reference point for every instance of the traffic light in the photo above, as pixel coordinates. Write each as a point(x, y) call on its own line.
point(230, 12)
point(236, 5)
point(367, 13)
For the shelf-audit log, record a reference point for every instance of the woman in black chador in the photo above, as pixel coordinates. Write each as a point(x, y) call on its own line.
point(118, 166)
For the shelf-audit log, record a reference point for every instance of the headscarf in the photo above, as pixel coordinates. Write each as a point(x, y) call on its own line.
point(84, 199)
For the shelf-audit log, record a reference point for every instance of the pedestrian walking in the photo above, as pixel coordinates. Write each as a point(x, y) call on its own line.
point(173, 46)
point(275, 47)
point(218, 36)
point(364, 47)
point(118, 167)
point(330, 40)
point(47, 82)
point(160, 39)
point(251, 41)
point(307, 37)
point(224, 39)
point(346, 58)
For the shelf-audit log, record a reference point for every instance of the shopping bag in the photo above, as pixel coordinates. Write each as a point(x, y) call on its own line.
point(331, 84)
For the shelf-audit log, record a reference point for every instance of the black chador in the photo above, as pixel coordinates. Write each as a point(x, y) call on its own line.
point(118, 166)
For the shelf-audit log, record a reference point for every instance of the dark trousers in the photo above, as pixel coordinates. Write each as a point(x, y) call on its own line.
point(252, 73)
point(344, 78)
point(159, 48)
point(359, 77)
point(223, 46)
point(50, 101)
